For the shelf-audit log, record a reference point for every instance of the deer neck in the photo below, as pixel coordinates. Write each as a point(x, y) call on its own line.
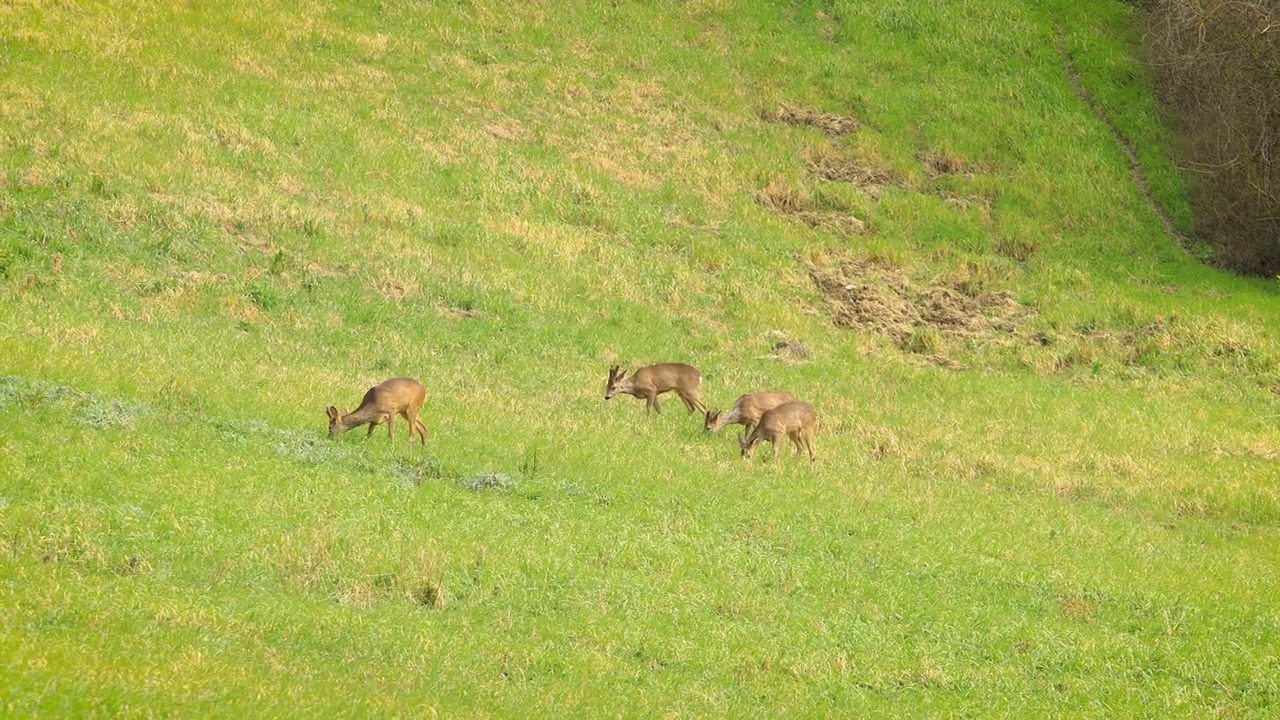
point(358, 417)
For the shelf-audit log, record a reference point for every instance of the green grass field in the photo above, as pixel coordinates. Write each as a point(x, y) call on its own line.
point(1048, 475)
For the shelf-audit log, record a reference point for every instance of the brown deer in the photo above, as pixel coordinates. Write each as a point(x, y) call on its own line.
point(650, 382)
point(796, 420)
point(381, 404)
point(746, 411)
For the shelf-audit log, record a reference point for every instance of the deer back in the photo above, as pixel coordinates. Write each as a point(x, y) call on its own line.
point(385, 398)
point(785, 418)
point(657, 378)
point(667, 376)
point(750, 408)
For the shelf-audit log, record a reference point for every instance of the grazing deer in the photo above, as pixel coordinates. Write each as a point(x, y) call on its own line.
point(746, 412)
point(650, 382)
point(381, 404)
point(794, 419)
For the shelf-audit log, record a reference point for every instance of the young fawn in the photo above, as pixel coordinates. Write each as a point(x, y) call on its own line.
point(650, 382)
point(381, 404)
point(746, 412)
point(795, 419)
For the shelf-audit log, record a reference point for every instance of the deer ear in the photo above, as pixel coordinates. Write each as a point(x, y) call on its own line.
point(332, 412)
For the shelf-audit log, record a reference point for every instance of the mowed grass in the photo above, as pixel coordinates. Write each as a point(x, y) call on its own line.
point(216, 221)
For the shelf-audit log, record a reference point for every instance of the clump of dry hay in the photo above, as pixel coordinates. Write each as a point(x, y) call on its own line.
point(872, 297)
point(780, 198)
point(827, 122)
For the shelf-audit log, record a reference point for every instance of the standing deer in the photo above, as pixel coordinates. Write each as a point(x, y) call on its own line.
point(403, 396)
point(746, 412)
point(650, 382)
point(796, 420)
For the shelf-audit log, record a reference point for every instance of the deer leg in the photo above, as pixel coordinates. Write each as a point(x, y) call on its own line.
point(692, 402)
point(695, 403)
point(415, 423)
point(412, 423)
point(776, 439)
point(369, 434)
point(416, 426)
point(653, 403)
point(795, 440)
point(391, 421)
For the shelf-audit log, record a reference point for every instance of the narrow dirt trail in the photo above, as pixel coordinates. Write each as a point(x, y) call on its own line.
point(1130, 152)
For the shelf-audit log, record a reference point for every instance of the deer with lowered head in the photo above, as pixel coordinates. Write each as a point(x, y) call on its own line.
point(402, 396)
point(747, 411)
point(650, 382)
point(795, 419)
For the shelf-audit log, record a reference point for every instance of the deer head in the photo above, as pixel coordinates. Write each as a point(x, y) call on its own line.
point(616, 382)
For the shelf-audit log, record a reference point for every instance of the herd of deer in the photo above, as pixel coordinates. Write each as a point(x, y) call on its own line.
point(765, 416)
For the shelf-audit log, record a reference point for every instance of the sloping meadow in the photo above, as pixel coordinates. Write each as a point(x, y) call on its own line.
point(1047, 452)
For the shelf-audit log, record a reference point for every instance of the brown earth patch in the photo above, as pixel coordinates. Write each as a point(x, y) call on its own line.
point(827, 122)
point(838, 169)
point(882, 299)
point(786, 200)
point(827, 165)
point(835, 168)
point(943, 162)
point(943, 362)
point(458, 312)
point(784, 348)
point(790, 350)
point(838, 223)
point(781, 197)
point(927, 318)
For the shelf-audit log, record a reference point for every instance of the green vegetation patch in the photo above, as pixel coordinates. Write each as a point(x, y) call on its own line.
point(1046, 452)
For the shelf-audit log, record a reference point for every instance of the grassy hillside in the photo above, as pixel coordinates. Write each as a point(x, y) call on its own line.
point(1047, 468)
